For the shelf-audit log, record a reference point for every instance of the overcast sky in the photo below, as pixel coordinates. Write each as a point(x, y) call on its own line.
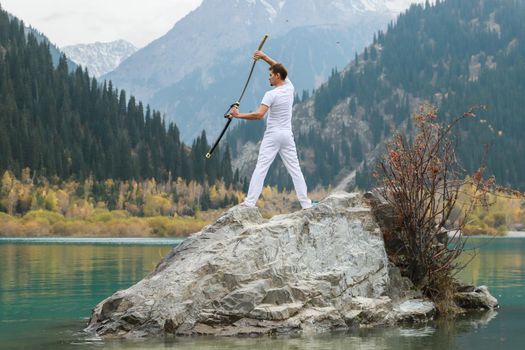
point(67, 22)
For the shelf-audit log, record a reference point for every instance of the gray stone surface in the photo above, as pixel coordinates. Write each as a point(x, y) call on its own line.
point(318, 269)
point(415, 310)
point(471, 297)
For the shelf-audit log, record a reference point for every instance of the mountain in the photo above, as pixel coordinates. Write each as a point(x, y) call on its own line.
point(100, 58)
point(197, 69)
point(454, 54)
point(64, 124)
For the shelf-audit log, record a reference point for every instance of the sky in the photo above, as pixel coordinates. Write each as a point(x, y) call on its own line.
point(69, 22)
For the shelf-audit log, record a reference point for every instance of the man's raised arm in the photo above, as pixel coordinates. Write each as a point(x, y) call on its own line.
point(264, 57)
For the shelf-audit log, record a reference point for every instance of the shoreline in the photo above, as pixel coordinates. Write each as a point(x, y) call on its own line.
point(95, 240)
point(515, 234)
point(151, 240)
point(104, 225)
point(510, 234)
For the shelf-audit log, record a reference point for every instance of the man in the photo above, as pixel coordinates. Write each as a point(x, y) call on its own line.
point(278, 137)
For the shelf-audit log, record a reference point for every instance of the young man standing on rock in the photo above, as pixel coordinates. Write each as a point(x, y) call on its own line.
point(278, 137)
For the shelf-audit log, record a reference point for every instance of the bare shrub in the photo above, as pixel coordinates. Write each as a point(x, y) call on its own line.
point(422, 180)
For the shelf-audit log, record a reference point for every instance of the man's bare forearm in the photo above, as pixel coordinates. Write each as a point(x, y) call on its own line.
point(258, 114)
point(269, 60)
point(250, 116)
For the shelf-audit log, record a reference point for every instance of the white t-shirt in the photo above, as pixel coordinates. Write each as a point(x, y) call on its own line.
point(280, 103)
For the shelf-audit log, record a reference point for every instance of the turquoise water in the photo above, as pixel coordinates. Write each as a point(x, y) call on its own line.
point(48, 287)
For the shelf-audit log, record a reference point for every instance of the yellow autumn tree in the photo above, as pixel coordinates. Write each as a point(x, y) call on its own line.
point(51, 201)
point(157, 205)
point(62, 201)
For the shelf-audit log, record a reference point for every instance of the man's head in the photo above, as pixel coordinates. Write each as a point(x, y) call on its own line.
point(277, 74)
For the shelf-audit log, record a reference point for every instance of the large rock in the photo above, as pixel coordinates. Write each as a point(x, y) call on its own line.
point(317, 269)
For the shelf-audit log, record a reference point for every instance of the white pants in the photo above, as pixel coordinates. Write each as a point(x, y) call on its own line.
point(273, 143)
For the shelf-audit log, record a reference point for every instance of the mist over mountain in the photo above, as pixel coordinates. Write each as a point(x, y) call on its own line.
point(196, 70)
point(100, 58)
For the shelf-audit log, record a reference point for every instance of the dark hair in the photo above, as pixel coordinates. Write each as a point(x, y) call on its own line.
point(279, 68)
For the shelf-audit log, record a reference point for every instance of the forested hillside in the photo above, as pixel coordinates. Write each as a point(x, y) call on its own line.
point(454, 54)
point(66, 124)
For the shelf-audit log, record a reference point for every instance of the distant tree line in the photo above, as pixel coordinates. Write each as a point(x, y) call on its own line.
point(80, 199)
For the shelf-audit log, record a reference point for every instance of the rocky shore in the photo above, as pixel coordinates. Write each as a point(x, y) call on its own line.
point(318, 269)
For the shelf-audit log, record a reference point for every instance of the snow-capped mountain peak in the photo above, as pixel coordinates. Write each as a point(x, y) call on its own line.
point(98, 57)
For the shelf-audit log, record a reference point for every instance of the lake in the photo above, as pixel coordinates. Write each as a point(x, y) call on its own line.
point(48, 287)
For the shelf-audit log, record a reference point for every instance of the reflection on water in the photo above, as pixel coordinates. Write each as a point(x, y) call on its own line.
point(47, 292)
point(499, 264)
point(442, 335)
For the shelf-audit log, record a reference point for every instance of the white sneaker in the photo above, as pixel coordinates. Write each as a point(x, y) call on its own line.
point(244, 205)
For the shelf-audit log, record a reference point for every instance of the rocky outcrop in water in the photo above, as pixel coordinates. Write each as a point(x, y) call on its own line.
point(323, 268)
point(472, 297)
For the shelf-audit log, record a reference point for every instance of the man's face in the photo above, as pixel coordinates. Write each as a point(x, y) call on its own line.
point(274, 78)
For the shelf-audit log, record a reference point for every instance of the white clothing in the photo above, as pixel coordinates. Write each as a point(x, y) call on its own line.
point(278, 138)
point(280, 103)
